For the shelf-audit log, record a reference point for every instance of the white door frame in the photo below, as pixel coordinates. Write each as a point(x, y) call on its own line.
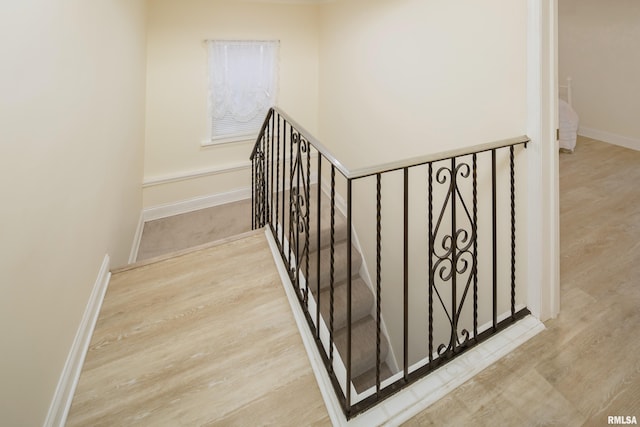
point(543, 293)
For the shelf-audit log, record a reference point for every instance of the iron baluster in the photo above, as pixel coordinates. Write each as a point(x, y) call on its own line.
point(475, 246)
point(284, 174)
point(454, 259)
point(430, 256)
point(307, 189)
point(513, 232)
point(331, 260)
point(253, 191)
point(378, 274)
point(277, 219)
point(266, 177)
point(406, 276)
point(319, 232)
point(495, 238)
point(349, 284)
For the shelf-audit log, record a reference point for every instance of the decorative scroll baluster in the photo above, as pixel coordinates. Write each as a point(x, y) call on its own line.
point(295, 237)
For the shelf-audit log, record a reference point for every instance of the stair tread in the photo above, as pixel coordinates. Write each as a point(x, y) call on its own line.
point(368, 379)
point(361, 302)
point(340, 222)
point(339, 264)
point(363, 345)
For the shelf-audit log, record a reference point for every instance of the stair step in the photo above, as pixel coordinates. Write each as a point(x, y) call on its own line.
point(339, 264)
point(368, 379)
point(361, 303)
point(363, 346)
point(340, 222)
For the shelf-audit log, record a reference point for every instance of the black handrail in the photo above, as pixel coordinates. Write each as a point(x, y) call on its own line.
point(282, 187)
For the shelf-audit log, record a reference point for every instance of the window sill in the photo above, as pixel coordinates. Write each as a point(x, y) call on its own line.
point(228, 140)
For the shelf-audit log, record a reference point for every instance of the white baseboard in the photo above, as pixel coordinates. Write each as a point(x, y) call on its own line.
point(611, 138)
point(133, 255)
point(68, 381)
point(190, 205)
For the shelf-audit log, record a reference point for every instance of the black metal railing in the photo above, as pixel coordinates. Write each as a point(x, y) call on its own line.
point(448, 247)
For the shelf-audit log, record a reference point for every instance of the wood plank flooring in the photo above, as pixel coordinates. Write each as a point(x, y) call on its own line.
point(586, 365)
point(207, 338)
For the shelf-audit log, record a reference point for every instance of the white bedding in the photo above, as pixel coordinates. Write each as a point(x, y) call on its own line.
point(568, 126)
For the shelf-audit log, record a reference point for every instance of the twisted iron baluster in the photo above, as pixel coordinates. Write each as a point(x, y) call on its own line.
point(495, 239)
point(266, 174)
point(277, 170)
point(405, 274)
point(253, 193)
point(513, 234)
point(319, 229)
point(475, 246)
point(284, 175)
point(431, 250)
point(331, 251)
point(378, 274)
point(291, 190)
point(307, 228)
point(454, 256)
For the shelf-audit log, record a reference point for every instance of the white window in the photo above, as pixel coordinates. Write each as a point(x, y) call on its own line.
point(242, 87)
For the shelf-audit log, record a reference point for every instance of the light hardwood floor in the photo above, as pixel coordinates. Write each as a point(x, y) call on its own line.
point(189, 367)
point(206, 338)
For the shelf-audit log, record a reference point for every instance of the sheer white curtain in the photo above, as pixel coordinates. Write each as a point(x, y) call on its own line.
point(242, 86)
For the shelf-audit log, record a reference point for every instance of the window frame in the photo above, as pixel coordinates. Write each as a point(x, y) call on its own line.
point(240, 136)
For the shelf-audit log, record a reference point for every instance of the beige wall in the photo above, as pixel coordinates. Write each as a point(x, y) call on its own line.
point(71, 131)
point(405, 78)
point(598, 47)
point(177, 86)
point(423, 75)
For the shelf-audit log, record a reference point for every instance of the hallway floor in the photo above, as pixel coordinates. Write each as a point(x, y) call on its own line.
point(199, 339)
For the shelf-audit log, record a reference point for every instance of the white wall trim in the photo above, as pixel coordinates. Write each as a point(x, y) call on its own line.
point(611, 138)
point(68, 381)
point(133, 255)
point(543, 284)
point(190, 205)
point(183, 176)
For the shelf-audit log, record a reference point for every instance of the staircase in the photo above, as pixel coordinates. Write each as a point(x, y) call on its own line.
point(363, 332)
point(466, 301)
